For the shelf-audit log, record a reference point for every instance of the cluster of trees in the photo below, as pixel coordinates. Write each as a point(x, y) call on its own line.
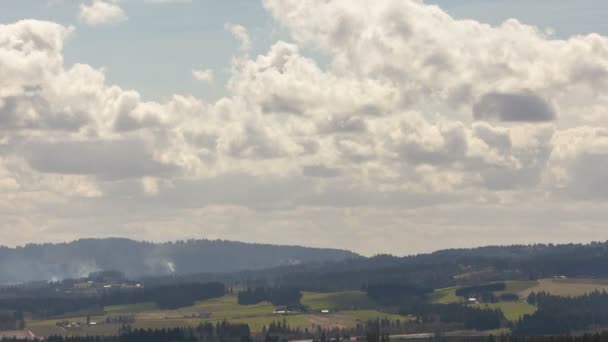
point(466, 316)
point(48, 305)
point(278, 296)
point(11, 320)
point(357, 274)
point(509, 297)
point(166, 296)
point(396, 294)
point(223, 331)
point(220, 332)
point(595, 337)
point(564, 315)
point(381, 329)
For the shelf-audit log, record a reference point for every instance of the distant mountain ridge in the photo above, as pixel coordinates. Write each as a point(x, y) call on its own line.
point(76, 259)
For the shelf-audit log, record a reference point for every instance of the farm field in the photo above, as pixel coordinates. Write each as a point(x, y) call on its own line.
point(347, 300)
point(512, 310)
point(346, 309)
point(147, 315)
point(518, 286)
point(446, 296)
point(566, 287)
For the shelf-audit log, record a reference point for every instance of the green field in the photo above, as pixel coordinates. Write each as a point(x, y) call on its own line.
point(130, 309)
point(517, 286)
point(512, 310)
point(147, 315)
point(567, 287)
point(348, 300)
point(346, 309)
point(446, 296)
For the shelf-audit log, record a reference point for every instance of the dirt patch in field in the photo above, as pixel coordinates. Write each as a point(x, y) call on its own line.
point(567, 287)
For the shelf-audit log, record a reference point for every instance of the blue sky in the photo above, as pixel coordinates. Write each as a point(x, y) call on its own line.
point(155, 50)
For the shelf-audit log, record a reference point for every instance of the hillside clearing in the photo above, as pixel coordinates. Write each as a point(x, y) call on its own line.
point(512, 310)
point(566, 287)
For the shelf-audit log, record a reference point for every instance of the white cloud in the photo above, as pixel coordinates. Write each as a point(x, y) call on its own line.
point(241, 34)
point(101, 12)
point(204, 75)
point(421, 126)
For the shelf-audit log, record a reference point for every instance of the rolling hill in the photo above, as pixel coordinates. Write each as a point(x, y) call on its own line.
point(43, 262)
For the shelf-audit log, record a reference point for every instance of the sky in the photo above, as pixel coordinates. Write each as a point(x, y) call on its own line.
point(392, 126)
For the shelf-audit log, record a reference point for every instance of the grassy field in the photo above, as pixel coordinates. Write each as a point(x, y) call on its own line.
point(130, 309)
point(347, 300)
point(346, 310)
point(517, 286)
point(147, 315)
point(446, 296)
point(512, 310)
point(567, 287)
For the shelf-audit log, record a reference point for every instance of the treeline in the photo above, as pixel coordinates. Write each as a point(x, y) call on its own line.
point(381, 328)
point(278, 296)
point(564, 315)
point(167, 296)
point(220, 332)
point(444, 268)
point(47, 306)
point(393, 294)
point(356, 274)
point(11, 320)
point(471, 318)
point(593, 337)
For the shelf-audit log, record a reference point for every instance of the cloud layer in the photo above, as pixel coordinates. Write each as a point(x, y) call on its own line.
point(421, 132)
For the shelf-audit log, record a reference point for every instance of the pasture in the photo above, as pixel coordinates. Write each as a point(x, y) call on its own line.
point(346, 310)
point(566, 287)
point(512, 310)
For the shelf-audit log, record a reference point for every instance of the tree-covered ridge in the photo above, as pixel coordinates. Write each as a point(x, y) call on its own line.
point(446, 268)
point(564, 315)
point(136, 259)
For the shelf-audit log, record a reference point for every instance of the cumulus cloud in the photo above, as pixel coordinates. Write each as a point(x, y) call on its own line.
point(414, 112)
point(204, 75)
point(101, 12)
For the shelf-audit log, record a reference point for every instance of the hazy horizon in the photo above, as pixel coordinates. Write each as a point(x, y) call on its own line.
point(261, 243)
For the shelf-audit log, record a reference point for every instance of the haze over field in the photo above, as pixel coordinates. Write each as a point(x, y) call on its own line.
point(376, 126)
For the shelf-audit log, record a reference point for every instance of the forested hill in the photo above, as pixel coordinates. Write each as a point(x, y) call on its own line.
point(446, 268)
point(137, 259)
